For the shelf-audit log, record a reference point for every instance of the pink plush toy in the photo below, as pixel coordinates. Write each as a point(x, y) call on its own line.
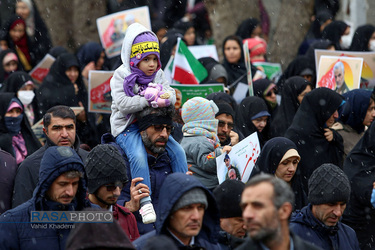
point(156, 97)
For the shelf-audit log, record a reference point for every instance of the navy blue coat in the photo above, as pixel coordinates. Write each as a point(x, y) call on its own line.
point(306, 226)
point(16, 231)
point(159, 168)
point(173, 188)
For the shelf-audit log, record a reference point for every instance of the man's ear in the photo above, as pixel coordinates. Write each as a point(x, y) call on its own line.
point(285, 211)
point(45, 130)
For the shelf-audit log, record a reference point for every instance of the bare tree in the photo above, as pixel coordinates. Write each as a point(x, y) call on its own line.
point(225, 16)
point(72, 23)
point(292, 25)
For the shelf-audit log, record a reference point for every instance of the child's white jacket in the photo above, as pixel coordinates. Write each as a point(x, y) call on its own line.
point(122, 105)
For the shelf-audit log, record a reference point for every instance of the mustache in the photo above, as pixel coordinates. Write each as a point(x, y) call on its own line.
point(162, 140)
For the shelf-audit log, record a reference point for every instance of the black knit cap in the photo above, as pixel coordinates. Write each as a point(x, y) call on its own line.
point(224, 108)
point(328, 184)
point(104, 165)
point(228, 198)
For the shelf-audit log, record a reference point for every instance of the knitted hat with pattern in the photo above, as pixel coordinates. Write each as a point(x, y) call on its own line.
point(104, 165)
point(328, 184)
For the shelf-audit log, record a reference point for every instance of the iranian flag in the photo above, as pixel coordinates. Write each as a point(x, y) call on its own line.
point(186, 68)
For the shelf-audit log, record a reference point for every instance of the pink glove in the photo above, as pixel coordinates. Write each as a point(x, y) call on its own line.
point(160, 103)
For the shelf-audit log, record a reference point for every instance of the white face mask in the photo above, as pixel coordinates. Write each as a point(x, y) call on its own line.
point(372, 45)
point(346, 41)
point(26, 96)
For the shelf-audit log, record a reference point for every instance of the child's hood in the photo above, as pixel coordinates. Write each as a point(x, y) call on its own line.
point(131, 33)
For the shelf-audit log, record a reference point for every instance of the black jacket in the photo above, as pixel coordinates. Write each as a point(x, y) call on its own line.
point(28, 172)
point(298, 243)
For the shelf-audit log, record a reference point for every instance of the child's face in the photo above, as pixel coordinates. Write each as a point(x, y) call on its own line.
point(17, 32)
point(149, 64)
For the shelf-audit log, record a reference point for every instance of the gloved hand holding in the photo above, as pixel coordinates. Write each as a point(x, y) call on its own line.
point(152, 92)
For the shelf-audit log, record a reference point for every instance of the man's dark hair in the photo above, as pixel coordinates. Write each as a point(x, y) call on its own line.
point(60, 111)
point(282, 192)
point(166, 111)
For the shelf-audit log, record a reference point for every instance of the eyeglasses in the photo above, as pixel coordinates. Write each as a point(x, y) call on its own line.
point(270, 93)
point(160, 128)
point(223, 123)
point(112, 187)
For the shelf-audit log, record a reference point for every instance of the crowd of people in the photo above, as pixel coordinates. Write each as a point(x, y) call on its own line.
point(153, 162)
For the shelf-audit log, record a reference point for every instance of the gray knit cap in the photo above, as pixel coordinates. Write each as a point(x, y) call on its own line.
point(104, 165)
point(195, 195)
point(328, 184)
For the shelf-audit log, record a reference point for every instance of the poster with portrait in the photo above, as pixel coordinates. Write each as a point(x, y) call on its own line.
point(339, 73)
point(41, 69)
point(100, 98)
point(185, 92)
point(240, 161)
point(112, 28)
point(368, 67)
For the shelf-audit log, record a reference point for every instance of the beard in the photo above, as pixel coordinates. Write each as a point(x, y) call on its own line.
point(151, 145)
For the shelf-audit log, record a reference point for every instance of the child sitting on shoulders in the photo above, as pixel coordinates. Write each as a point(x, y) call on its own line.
point(139, 83)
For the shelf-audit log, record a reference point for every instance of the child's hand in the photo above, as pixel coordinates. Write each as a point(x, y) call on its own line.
point(160, 103)
point(373, 195)
point(151, 94)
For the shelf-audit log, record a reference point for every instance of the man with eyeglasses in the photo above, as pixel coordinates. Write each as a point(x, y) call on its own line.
point(155, 126)
point(106, 174)
point(224, 130)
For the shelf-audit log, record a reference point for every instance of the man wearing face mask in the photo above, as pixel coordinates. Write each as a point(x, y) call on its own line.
point(16, 136)
point(23, 86)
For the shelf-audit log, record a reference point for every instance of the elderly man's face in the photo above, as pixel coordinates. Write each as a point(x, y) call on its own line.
point(234, 226)
point(329, 214)
point(259, 213)
point(339, 77)
point(186, 222)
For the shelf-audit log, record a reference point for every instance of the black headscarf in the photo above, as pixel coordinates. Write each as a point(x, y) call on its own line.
point(334, 31)
point(359, 166)
point(289, 105)
point(89, 52)
point(235, 70)
point(296, 68)
point(362, 37)
point(248, 108)
point(261, 87)
point(31, 142)
point(246, 28)
point(307, 131)
point(269, 159)
point(354, 111)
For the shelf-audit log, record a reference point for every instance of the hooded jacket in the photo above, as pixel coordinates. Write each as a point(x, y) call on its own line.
point(28, 172)
point(307, 132)
point(8, 172)
point(15, 235)
point(123, 105)
point(359, 167)
point(174, 186)
point(306, 226)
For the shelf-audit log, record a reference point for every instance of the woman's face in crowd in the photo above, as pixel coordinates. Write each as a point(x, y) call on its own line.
point(232, 51)
point(10, 66)
point(271, 96)
point(332, 118)
point(100, 61)
point(72, 73)
point(372, 38)
point(287, 168)
point(260, 123)
point(257, 32)
point(22, 10)
point(302, 95)
point(17, 32)
point(189, 36)
point(14, 112)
